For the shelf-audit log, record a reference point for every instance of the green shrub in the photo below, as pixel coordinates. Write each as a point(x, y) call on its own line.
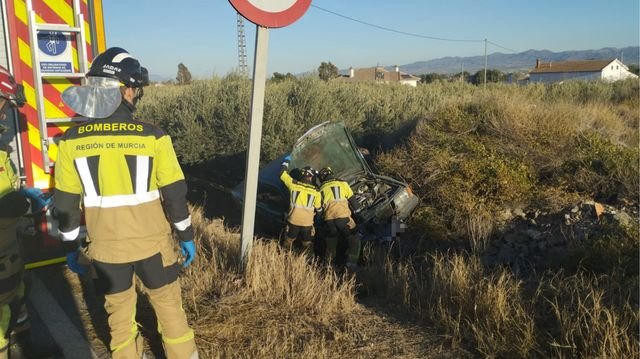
point(204, 119)
point(601, 169)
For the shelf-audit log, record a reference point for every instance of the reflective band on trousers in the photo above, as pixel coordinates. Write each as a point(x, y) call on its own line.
point(5, 312)
point(134, 334)
point(179, 340)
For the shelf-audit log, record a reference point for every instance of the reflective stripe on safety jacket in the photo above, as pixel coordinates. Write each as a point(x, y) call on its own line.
point(304, 199)
point(335, 195)
point(126, 174)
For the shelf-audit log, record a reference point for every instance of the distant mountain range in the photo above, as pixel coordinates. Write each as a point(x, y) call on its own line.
point(520, 62)
point(523, 61)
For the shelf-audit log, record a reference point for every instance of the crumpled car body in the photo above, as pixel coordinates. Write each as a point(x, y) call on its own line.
point(383, 203)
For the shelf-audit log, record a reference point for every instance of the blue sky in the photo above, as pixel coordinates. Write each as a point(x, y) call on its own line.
point(202, 33)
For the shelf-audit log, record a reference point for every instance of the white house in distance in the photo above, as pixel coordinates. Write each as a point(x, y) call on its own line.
point(605, 70)
point(380, 75)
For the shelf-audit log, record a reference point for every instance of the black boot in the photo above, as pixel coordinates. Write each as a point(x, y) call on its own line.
point(22, 347)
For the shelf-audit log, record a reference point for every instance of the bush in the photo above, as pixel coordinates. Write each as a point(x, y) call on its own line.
point(601, 169)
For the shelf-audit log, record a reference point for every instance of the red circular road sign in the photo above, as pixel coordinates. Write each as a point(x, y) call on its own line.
point(271, 13)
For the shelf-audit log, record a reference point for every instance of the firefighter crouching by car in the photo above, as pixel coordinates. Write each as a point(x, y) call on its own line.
point(337, 216)
point(126, 174)
point(304, 201)
point(15, 329)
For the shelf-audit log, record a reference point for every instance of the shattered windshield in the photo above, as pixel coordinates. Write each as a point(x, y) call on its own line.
point(328, 146)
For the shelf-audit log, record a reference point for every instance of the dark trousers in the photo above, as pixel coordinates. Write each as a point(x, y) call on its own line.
point(338, 230)
point(299, 237)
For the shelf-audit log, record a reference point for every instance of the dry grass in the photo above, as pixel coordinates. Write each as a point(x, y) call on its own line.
point(588, 317)
point(285, 307)
point(496, 315)
point(468, 305)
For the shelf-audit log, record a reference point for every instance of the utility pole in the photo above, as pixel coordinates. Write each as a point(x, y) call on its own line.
point(485, 64)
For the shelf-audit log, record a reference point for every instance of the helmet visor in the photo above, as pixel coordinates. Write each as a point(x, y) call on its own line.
point(99, 98)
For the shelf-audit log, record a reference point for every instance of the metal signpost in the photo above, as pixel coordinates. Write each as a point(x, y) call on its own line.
point(265, 14)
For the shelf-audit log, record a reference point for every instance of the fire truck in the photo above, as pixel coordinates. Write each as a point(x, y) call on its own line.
point(48, 46)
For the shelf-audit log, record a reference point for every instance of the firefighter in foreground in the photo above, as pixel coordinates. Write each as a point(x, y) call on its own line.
point(15, 328)
point(132, 190)
point(337, 216)
point(304, 201)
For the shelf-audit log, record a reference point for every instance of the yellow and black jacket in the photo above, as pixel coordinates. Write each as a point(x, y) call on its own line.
point(304, 200)
point(12, 206)
point(335, 196)
point(126, 175)
point(8, 178)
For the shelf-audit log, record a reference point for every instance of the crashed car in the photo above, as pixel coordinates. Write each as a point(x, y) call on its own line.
point(382, 206)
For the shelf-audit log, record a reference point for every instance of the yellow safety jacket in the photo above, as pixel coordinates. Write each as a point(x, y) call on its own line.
point(8, 178)
point(304, 199)
point(12, 206)
point(335, 196)
point(126, 174)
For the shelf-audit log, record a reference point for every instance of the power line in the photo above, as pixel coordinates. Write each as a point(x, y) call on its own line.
point(408, 33)
point(393, 30)
point(500, 46)
point(485, 40)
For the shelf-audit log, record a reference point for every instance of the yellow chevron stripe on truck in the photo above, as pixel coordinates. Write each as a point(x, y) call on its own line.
point(62, 9)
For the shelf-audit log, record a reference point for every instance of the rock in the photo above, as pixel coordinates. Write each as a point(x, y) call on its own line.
point(533, 234)
point(506, 255)
point(505, 216)
point(518, 212)
point(623, 219)
point(575, 209)
point(542, 245)
point(567, 219)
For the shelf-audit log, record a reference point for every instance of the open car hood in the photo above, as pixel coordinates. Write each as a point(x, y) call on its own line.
point(329, 144)
point(325, 145)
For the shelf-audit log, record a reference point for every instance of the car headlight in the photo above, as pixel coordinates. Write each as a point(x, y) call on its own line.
point(404, 202)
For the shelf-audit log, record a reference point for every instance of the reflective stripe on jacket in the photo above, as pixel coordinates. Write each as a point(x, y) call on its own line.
point(127, 176)
point(8, 178)
point(304, 199)
point(335, 195)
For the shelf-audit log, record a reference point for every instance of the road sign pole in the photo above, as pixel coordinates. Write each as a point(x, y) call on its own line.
point(255, 136)
point(265, 14)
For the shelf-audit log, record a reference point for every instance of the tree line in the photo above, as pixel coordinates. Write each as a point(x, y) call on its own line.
point(328, 71)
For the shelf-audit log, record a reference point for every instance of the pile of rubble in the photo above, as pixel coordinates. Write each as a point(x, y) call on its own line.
point(532, 238)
